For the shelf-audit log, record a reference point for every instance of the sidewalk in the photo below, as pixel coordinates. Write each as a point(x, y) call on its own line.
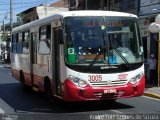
point(7, 65)
point(153, 92)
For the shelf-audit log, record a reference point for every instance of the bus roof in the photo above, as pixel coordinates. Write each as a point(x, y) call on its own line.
point(95, 13)
point(70, 14)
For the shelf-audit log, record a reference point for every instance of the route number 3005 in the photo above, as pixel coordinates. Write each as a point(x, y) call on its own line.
point(94, 78)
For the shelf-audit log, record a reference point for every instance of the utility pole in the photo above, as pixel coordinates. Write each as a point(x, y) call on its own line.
point(9, 39)
point(11, 16)
point(45, 8)
point(4, 31)
point(86, 4)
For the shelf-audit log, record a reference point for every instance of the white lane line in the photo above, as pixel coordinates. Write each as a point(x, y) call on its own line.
point(117, 111)
point(1, 66)
point(1, 111)
point(151, 98)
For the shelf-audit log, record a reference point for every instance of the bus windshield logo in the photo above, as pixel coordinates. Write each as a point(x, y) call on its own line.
point(122, 76)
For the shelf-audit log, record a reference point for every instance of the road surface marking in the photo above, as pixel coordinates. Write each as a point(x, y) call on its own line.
point(1, 111)
point(117, 111)
point(151, 98)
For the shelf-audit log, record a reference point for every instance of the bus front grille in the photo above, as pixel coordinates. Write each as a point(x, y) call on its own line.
point(109, 83)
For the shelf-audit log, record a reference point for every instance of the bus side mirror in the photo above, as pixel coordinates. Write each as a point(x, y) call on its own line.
point(60, 36)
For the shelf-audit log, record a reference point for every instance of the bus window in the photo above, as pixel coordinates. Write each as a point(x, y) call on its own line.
point(26, 42)
point(19, 42)
point(45, 38)
point(14, 41)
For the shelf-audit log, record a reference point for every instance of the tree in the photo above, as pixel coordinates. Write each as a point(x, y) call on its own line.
point(4, 37)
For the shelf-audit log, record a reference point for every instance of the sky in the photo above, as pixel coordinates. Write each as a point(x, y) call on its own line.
point(18, 6)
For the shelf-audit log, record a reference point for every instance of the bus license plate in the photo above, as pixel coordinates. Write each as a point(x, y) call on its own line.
point(110, 91)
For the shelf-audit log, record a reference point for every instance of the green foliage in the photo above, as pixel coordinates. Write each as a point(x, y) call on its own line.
point(4, 37)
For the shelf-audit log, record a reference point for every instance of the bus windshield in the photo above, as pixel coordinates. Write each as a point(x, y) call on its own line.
point(102, 40)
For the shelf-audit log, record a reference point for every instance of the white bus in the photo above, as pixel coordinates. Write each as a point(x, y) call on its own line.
point(80, 55)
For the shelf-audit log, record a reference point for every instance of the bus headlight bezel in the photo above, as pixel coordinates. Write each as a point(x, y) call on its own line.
point(136, 79)
point(77, 81)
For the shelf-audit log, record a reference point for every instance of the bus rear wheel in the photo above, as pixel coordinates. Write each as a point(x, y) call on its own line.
point(48, 91)
point(22, 80)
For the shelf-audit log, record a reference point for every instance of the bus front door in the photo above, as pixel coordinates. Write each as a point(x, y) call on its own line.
point(56, 62)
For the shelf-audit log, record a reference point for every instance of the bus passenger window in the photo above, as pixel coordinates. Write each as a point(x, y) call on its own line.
point(14, 42)
point(19, 42)
point(45, 38)
point(26, 42)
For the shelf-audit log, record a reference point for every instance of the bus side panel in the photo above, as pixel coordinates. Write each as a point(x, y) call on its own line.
point(20, 65)
point(41, 70)
point(27, 79)
point(15, 73)
point(16, 60)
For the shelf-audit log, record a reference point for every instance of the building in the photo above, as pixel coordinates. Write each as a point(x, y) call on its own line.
point(131, 6)
point(148, 11)
point(41, 11)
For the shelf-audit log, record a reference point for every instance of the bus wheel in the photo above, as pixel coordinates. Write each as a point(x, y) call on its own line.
point(22, 80)
point(48, 91)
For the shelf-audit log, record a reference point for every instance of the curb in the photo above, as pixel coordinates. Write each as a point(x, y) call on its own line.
point(153, 95)
point(6, 66)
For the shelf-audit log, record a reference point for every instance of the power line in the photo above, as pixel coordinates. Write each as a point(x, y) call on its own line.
point(33, 4)
point(20, 7)
point(20, 3)
point(4, 13)
point(15, 8)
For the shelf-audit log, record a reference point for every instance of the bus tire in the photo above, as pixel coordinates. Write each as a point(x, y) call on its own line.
point(22, 80)
point(48, 91)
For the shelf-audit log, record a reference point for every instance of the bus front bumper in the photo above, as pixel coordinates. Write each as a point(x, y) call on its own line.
point(73, 93)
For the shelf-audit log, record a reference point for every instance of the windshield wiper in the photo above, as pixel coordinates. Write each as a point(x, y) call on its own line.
point(94, 60)
point(123, 58)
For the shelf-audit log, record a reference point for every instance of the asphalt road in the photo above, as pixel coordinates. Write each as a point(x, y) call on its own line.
point(19, 104)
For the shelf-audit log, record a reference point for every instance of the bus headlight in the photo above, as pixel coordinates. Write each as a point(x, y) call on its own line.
point(82, 83)
point(77, 81)
point(136, 78)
